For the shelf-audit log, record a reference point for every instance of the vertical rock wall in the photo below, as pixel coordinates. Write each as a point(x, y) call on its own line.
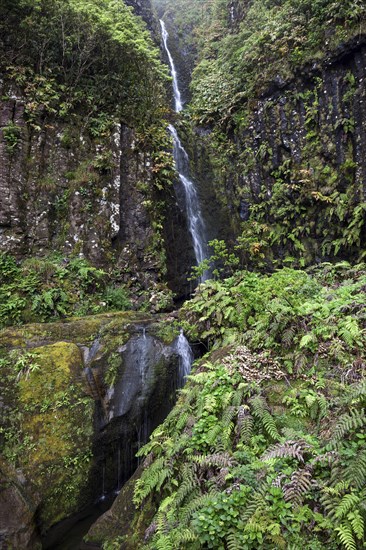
point(295, 161)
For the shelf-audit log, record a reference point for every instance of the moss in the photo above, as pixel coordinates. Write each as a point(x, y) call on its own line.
point(54, 427)
point(166, 332)
point(78, 330)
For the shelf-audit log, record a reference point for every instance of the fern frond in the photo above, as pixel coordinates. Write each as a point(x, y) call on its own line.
point(244, 426)
point(163, 542)
point(330, 458)
point(238, 397)
point(347, 503)
point(355, 419)
point(358, 524)
point(195, 504)
point(220, 460)
point(256, 504)
point(213, 434)
point(357, 391)
point(300, 484)
point(233, 542)
point(228, 415)
point(182, 536)
point(188, 486)
point(346, 537)
point(355, 471)
point(260, 411)
point(181, 421)
point(150, 479)
point(323, 406)
point(292, 449)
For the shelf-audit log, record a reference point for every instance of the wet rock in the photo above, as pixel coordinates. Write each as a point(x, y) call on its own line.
point(18, 504)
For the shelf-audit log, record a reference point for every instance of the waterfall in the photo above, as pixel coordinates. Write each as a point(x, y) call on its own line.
point(177, 96)
point(185, 358)
point(196, 224)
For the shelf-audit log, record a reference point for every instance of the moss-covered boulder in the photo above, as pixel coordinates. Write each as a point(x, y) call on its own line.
point(78, 399)
point(48, 424)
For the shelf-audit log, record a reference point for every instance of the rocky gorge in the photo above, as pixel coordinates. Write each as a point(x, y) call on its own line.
point(241, 198)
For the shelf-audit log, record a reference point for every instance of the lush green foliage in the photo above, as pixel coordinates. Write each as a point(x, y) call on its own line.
point(265, 448)
point(44, 289)
point(273, 38)
point(81, 54)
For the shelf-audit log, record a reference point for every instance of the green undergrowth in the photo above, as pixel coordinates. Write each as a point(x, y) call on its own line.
point(266, 446)
point(45, 289)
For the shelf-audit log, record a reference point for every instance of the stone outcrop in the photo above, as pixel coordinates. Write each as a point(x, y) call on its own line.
point(18, 504)
point(89, 394)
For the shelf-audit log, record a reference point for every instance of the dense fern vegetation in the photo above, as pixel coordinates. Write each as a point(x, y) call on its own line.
point(51, 288)
point(266, 446)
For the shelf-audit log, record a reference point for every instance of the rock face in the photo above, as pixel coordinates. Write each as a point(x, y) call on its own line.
point(60, 189)
point(88, 394)
point(298, 159)
point(18, 503)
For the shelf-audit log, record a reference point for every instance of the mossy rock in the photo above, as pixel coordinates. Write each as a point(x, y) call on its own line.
point(53, 420)
point(18, 503)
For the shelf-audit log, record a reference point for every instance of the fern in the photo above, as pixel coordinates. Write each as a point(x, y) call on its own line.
point(355, 471)
point(220, 460)
point(347, 503)
point(346, 537)
point(233, 542)
point(357, 392)
point(357, 522)
point(300, 484)
point(182, 536)
point(244, 426)
point(195, 504)
point(349, 331)
point(188, 486)
point(349, 422)
point(152, 478)
point(292, 449)
point(260, 411)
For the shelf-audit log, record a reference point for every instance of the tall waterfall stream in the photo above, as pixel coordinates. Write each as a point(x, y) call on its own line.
point(192, 206)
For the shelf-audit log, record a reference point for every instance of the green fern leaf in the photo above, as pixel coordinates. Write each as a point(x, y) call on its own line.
point(346, 537)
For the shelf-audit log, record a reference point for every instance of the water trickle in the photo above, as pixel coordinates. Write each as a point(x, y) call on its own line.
point(119, 469)
point(103, 483)
point(185, 358)
point(196, 224)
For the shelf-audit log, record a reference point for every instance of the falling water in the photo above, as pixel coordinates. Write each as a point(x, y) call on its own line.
point(177, 96)
point(191, 201)
point(185, 358)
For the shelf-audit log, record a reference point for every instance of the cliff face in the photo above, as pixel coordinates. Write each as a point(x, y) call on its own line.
point(84, 165)
point(295, 172)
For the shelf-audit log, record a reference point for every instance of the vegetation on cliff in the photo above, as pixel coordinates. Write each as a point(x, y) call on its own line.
point(279, 86)
point(67, 55)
